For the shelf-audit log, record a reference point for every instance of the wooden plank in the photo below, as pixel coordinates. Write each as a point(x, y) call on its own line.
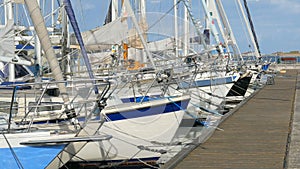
point(255, 136)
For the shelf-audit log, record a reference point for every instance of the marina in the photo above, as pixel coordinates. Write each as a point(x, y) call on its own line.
point(255, 134)
point(158, 84)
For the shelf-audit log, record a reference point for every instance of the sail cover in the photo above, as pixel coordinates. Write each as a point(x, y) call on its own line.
point(112, 33)
point(41, 31)
point(7, 47)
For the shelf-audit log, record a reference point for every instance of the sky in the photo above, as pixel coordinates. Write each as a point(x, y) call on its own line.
point(276, 22)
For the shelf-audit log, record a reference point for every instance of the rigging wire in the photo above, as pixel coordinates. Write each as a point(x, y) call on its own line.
point(81, 13)
point(244, 27)
point(165, 14)
point(252, 26)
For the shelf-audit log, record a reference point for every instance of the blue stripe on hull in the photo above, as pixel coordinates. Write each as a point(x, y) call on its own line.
point(29, 157)
point(149, 111)
point(208, 82)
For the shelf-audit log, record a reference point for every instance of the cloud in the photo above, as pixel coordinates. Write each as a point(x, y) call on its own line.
point(287, 5)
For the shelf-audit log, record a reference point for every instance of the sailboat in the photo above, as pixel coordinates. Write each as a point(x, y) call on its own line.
point(138, 130)
point(14, 154)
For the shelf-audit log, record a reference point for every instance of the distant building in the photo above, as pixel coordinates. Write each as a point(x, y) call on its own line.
point(287, 57)
point(287, 54)
point(248, 54)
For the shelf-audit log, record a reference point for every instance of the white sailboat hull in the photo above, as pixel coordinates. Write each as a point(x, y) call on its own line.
point(128, 135)
point(14, 155)
point(138, 130)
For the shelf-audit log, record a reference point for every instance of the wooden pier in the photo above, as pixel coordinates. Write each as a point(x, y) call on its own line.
point(257, 135)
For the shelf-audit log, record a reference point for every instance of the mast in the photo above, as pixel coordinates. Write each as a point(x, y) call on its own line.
point(252, 27)
point(143, 9)
point(9, 16)
point(139, 31)
point(186, 30)
point(38, 55)
point(197, 25)
point(256, 52)
point(115, 10)
point(212, 27)
point(143, 24)
point(176, 28)
point(206, 31)
point(41, 31)
point(65, 42)
point(52, 16)
point(227, 33)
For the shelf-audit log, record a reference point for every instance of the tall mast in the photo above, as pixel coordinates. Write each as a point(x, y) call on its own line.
point(52, 15)
point(38, 54)
point(212, 27)
point(227, 33)
point(65, 42)
point(139, 31)
point(114, 10)
point(143, 8)
point(252, 27)
point(206, 18)
point(144, 25)
point(41, 31)
point(176, 28)
point(186, 30)
point(9, 16)
point(256, 52)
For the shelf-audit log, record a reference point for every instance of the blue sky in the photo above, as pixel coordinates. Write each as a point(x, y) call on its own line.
point(276, 22)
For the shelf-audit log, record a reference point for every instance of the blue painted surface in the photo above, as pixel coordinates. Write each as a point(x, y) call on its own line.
point(265, 67)
point(8, 85)
point(28, 47)
point(29, 157)
point(25, 47)
point(149, 111)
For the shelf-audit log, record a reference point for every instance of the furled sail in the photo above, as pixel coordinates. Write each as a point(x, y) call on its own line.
point(41, 31)
point(7, 47)
point(103, 37)
point(111, 33)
